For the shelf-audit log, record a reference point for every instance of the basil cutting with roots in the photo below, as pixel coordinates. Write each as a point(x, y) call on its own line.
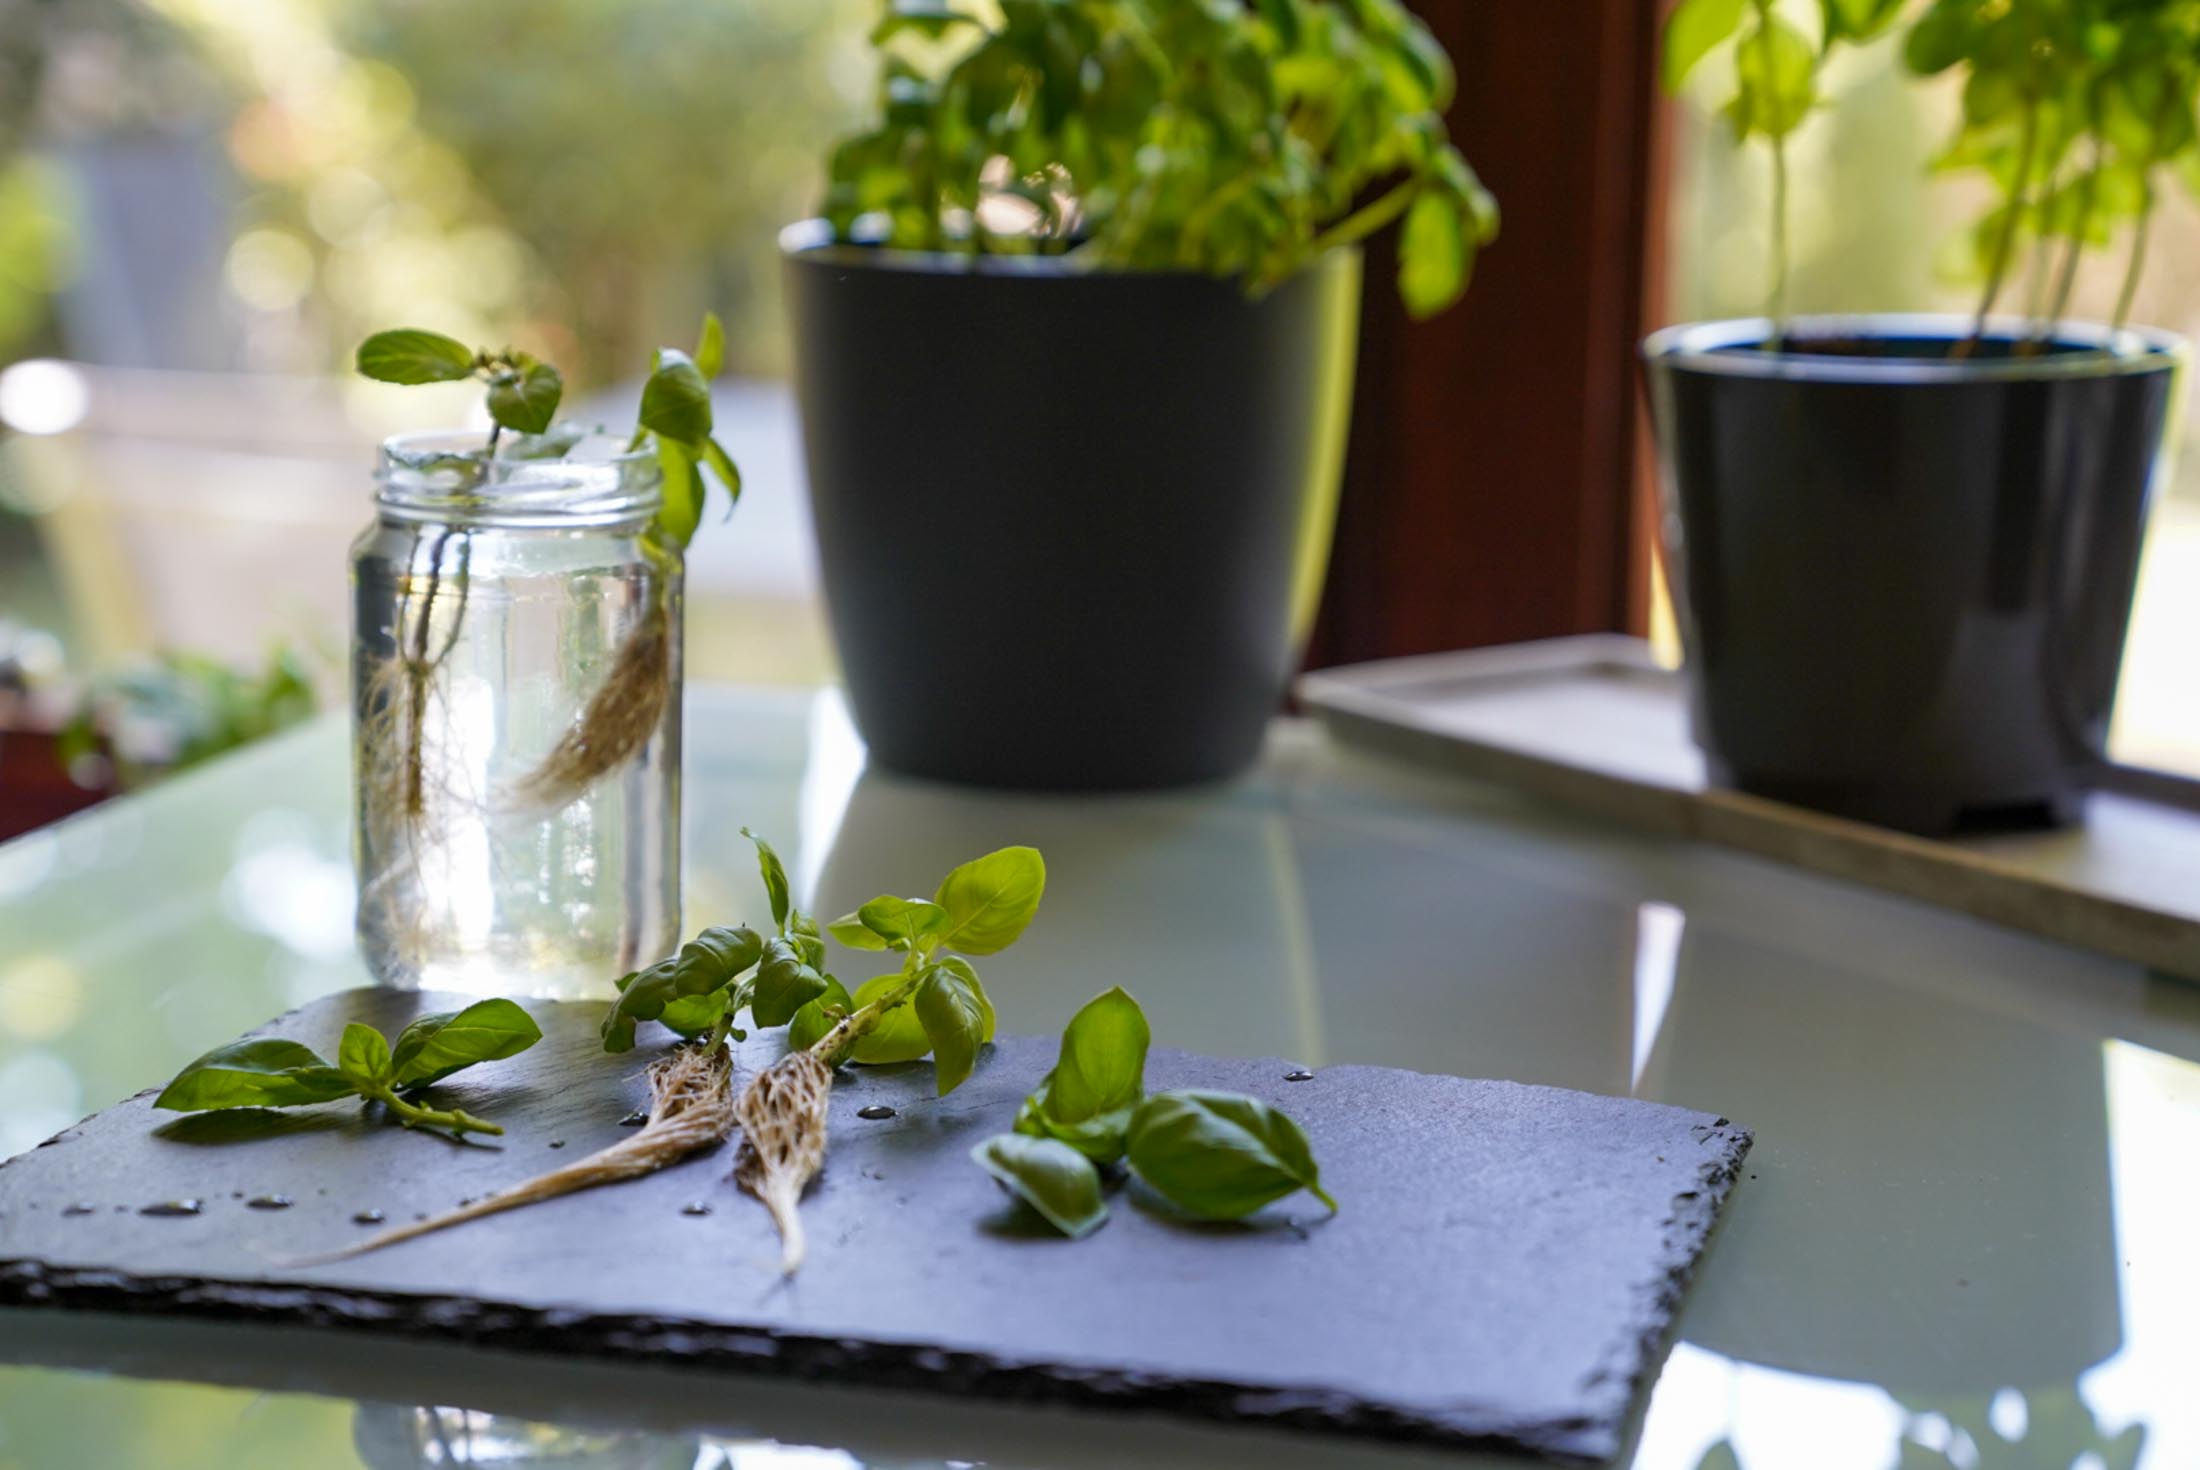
point(1234, 137)
point(777, 979)
point(1214, 1155)
point(401, 694)
point(268, 1072)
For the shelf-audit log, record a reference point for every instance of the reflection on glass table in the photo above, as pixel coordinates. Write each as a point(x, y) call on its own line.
point(1963, 1239)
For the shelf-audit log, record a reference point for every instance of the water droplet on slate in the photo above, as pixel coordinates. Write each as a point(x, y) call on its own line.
point(367, 1217)
point(172, 1207)
point(1299, 1074)
point(697, 1208)
point(634, 1119)
point(875, 1112)
point(80, 1209)
point(268, 1202)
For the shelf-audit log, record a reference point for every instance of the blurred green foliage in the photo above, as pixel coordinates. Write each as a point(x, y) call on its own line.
point(185, 708)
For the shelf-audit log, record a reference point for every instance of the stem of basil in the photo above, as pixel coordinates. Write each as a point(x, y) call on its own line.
point(412, 1115)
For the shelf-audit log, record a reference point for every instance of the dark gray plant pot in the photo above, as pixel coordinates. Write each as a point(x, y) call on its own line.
point(1903, 582)
point(1072, 524)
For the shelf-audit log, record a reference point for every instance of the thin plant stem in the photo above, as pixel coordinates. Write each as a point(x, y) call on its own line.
point(2067, 281)
point(2134, 265)
point(1777, 307)
point(2020, 192)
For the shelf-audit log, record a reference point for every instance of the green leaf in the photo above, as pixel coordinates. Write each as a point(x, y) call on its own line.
point(434, 1047)
point(526, 398)
point(784, 984)
point(952, 1007)
point(774, 872)
point(363, 1055)
point(1435, 254)
point(710, 346)
point(1693, 29)
point(990, 900)
point(1221, 1155)
point(722, 465)
point(819, 1016)
point(1087, 1100)
point(1777, 70)
point(850, 930)
point(1102, 1065)
point(904, 923)
point(682, 510)
point(691, 1016)
point(409, 355)
point(712, 959)
point(899, 1035)
point(676, 400)
point(264, 1073)
point(1058, 1182)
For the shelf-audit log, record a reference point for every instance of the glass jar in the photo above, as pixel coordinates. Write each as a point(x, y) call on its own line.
point(516, 629)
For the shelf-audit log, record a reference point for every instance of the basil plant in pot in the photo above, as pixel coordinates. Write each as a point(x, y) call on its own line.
point(1904, 548)
point(1073, 343)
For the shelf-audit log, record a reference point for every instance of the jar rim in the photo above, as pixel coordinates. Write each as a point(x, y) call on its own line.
point(574, 475)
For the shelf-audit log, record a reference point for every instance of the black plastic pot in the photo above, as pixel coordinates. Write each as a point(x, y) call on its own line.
point(1072, 524)
point(1903, 581)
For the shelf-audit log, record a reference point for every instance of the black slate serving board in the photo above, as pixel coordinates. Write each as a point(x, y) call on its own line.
point(1501, 1275)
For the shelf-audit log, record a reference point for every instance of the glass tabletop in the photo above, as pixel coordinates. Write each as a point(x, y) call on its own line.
point(1964, 1237)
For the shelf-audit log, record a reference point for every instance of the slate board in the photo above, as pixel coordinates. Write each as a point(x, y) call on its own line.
point(1502, 1274)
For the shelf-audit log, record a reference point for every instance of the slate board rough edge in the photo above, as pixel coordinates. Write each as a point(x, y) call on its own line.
point(909, 1366)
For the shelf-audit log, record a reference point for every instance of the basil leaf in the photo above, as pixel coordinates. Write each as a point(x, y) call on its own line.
point(1102, 1066)
point(409, 355)
point(1221, 1155)
point(784, 984)
point(952, 1007)
point(265, 1073)
point(1087, 1100)
point(1058, 1182)
point(1435, 257)
point(710, 347)
point(363, 1055)
point(899, 1035)
point(990, 900)
point(775, 879)
point(691, 1016)
point(819, 1016)
point(676, 400)
point(722, 465)
point(682, 489)
point(1691, 31)
point(712, 959)
point(850, 930)
point(903, 923)
point(434, 1047)
point(526, 398)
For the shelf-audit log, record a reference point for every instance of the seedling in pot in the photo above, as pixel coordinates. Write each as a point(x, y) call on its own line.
point(269, 1072)
point(1234, 139)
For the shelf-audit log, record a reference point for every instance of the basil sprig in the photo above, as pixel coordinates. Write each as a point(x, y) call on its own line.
point(1236, 139)
point(270, 1072)
point(523, 390)
point(676, 412)
point(1215, 1155)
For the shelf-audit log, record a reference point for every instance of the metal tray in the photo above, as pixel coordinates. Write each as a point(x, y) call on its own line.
point(1597, 724)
